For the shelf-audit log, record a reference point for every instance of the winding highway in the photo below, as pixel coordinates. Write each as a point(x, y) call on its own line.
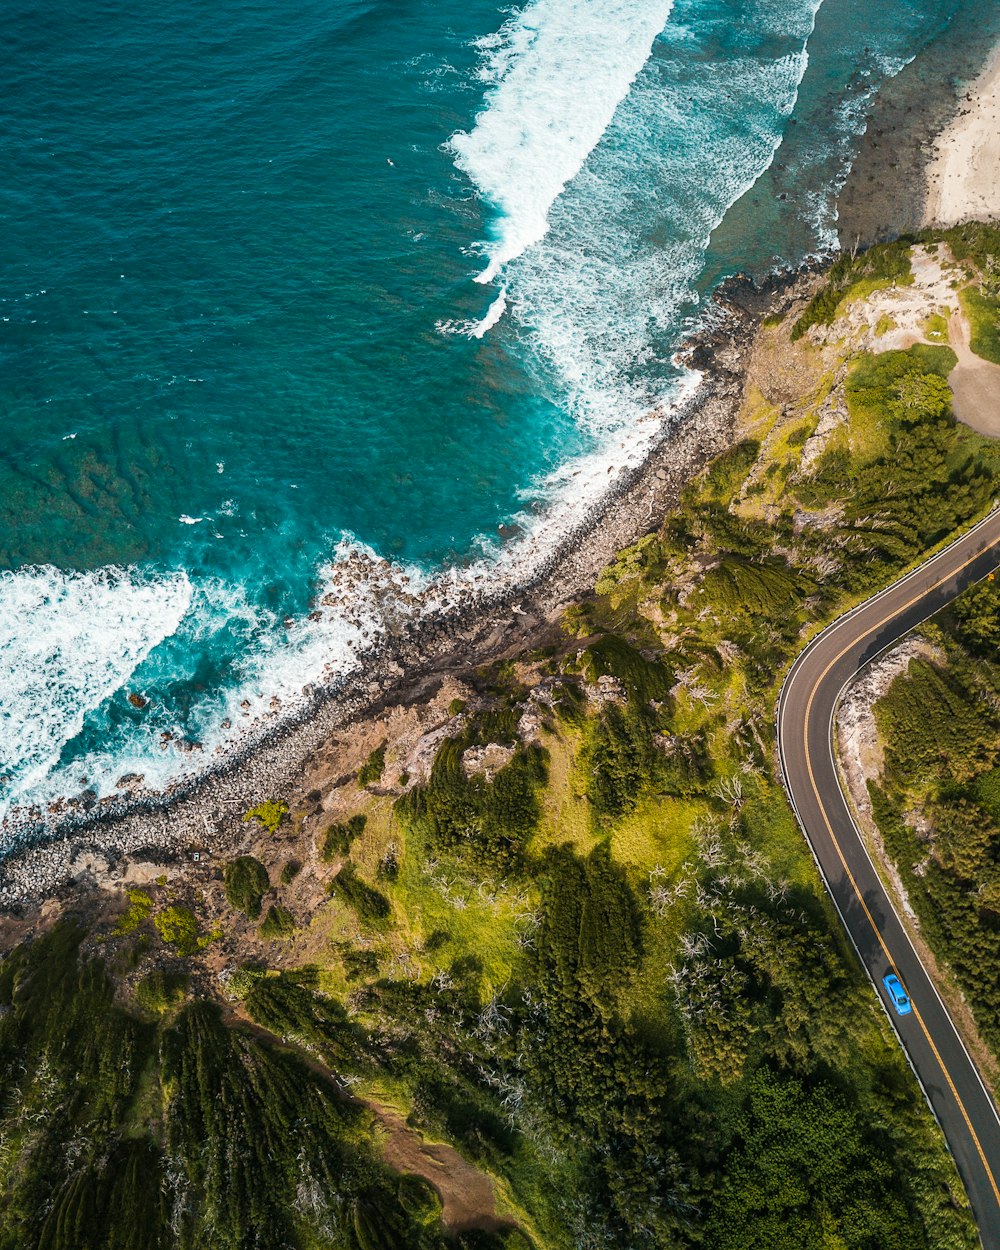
point(806, 710)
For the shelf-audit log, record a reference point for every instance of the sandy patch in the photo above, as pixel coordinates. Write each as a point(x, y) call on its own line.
point(466, 1193)
point(974, 382)
point(963, 178)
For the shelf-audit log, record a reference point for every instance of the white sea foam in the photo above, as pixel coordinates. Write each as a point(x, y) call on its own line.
point(67, 642)
point(601, 257)
point(556, 71)
point(601, 297)
point(477, 329)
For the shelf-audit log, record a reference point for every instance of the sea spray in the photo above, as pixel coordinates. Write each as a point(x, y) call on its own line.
point(556, 71)
point(68, 641)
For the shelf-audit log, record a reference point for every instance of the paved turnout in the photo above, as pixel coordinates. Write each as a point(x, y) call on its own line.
point(806, 708)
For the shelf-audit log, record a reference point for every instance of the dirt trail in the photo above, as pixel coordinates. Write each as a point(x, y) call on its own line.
point(974, 382)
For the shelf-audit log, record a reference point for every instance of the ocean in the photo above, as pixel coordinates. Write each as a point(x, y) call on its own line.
point(316, 312)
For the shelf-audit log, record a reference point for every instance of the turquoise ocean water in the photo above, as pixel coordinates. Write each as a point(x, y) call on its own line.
point(283, 282)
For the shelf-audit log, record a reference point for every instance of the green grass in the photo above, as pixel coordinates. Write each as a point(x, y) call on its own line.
point(936, 328)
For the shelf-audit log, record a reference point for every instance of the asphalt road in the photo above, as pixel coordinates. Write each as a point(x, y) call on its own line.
point(806, 708)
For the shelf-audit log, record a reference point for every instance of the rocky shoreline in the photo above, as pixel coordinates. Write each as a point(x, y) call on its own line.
point(51, 855)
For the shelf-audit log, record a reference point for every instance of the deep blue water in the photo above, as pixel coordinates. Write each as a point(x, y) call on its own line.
point(241, 328)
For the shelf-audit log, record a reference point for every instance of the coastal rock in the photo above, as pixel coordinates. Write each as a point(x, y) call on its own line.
point(132, 782)
point(488, 760)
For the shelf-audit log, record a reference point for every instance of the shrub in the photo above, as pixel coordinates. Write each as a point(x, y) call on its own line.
point(977, 612)
point(373, 767)
point(178, 927)
point(270, 815)
point(159, 990)
point(340, 837)
point(290, 870)
point(278, 923)
point(370, 905)
point(140, 906)
point(241, 981)
point(642, 679)
point(622, 760)
point(881, 265)
point(246, 883)
point(488, 820)
point(359, 965)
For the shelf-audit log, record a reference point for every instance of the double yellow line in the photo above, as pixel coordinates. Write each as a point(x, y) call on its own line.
point(850, 876)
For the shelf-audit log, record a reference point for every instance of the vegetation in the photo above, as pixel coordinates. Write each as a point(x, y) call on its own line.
point(278, 923)
point(178, 927)
point(938, 800)
point(269, 814)
point(372, 769)
point(372, 907)
point(486, 821)
point(140, 907)
point(590, 951)
point(340, 837)
point(160, 991)
point(977, 244)
point(883, 265)
point(246, 884)
point(289, 871)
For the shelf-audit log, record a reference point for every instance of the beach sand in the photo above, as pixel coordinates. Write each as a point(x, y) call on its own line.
point(888, 190)
point(963, 179)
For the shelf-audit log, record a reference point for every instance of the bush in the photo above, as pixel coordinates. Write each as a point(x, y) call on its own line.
point(340, 837)
point(178, 927)
point(159, 990)
point(370, 905)
point(290, 870)
point(881, 265)
point(270, 815)
point(977, 612)
point(490, 821)
point(139, 908)
point(642, 679)
point(374, 766)
point(241, 981)
point(278, 923)
point(359, 965)
point(621, 760)
point(246, 882)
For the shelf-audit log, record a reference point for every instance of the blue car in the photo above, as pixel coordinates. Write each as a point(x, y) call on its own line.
point(899, 996)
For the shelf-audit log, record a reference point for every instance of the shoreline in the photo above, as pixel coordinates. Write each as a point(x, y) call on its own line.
point(207, 808)
point(888, 190)
point(963, 179)
point(912, 125)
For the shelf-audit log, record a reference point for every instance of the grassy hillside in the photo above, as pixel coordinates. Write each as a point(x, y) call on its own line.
point(587, 947)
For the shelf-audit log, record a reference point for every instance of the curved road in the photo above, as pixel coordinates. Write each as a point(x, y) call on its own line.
point(806, 708)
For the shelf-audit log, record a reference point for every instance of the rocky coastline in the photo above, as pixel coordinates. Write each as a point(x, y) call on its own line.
point(54, 852)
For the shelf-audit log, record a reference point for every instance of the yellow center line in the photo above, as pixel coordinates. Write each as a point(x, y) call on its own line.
point(850, 876)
